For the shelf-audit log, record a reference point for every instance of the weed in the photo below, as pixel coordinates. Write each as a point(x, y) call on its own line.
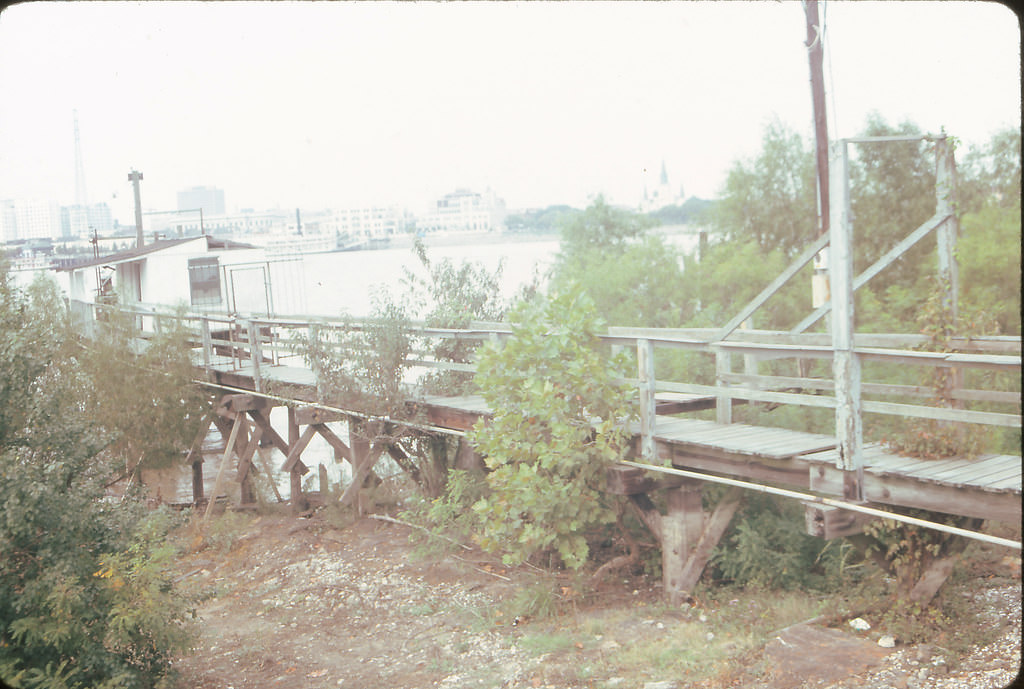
point(545, 644)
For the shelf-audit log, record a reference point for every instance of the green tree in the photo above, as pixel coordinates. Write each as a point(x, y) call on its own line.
point(771, 199)
point(558, 420)
point(632, 277)
point(85, 592)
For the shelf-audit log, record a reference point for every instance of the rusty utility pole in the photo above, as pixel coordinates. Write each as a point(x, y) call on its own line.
point(815, 54)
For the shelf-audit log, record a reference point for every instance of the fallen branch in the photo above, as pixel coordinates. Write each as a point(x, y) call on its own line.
point(386, 518)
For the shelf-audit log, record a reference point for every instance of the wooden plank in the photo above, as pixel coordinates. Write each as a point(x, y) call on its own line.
point(792, 472)
point(1011, 474)
point(245, 459)
point(293, 458)
point(1011, 483)
point(965, 501)
point(228, 449)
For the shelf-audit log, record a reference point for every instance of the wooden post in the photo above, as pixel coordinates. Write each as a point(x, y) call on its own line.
point(723, 403)
point(314, 340)
point(195, 459)
point(645, 364)
point(255, 354)
point(247, 492)
point(945, 190)
point(207, 346)
point(681, 528)
point(228, 449)
point(295, 466)
point(325, 486)
point(845, 363)
point(945, 196)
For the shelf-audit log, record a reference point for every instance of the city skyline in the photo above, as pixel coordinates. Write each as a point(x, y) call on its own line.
point(333, 105)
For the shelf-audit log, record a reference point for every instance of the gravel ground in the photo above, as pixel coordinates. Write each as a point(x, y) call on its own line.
point(992, 666)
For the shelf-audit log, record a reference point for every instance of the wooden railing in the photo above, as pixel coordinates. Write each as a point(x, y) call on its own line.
point(254, 345)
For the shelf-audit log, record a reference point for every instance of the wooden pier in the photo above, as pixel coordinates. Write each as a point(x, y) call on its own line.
point(258, 362)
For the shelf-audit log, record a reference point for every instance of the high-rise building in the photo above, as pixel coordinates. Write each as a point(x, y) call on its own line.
point(210, 199)
point(35, 219)
point(8, 224)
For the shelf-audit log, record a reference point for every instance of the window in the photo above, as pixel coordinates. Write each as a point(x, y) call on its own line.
point(204, 281)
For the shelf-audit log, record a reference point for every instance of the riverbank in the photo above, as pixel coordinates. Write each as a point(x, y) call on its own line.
point(331, 601)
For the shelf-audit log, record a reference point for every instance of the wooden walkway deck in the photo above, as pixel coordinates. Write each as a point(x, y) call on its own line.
point(987, 487)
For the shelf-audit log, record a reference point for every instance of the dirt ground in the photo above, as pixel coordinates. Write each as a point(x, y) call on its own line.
point(299, 602)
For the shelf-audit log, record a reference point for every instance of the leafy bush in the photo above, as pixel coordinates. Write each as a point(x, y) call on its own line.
point(558, 420)
point(86, 596)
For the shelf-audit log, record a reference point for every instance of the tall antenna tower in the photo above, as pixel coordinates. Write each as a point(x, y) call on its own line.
point(80, 194)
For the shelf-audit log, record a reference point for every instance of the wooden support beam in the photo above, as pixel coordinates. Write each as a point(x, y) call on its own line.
point(360, 474)
point(263, 421)
point(295, 451)
point(269, 473)
point(623, 480)
point(341, 450)
point(647, 512)
point(710, 535)
point(467, 458)
point(241, 402)
point(228, 449)
point(681, 528)
point(311, 415)
point(825, 521)
point(248, 494)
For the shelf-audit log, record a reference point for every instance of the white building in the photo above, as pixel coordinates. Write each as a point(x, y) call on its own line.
point(80, 221)
point(464, 211)
point(8, 225)
point(201, 272)
point(359, 224)
point(210, 199)
point(30, 219)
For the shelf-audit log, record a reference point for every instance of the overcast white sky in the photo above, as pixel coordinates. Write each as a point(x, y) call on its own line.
point(336, 104)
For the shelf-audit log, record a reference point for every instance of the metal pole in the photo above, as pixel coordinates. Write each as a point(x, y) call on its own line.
point(135, 177)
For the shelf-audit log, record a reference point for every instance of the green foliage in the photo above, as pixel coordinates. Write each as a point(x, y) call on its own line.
point(86, 598)
point(989, 259)
point(146, 404)
point(633, 278)
point(543, 220)
point(767, 547)
point(452, 297)
point(905, 550)
point(363, 363)
point(692, 210)
point(600, 227)
point(771, 199)
point(557, 423)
